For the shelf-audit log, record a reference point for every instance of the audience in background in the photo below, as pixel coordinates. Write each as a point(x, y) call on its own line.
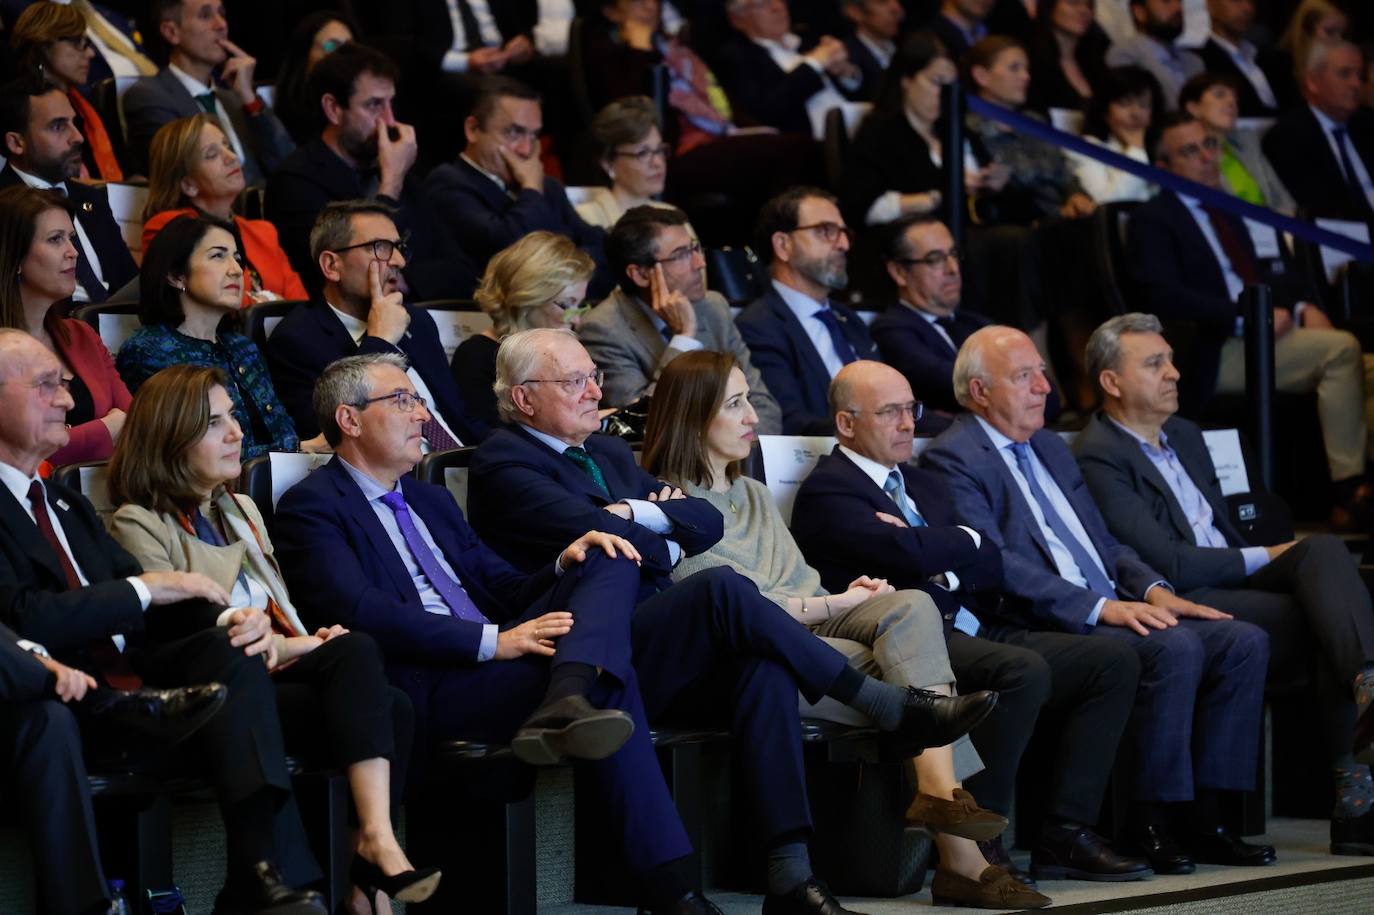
point(315, 37)
point(877, 26)
point(1159, 25)
point(961, 24)
point(1314, 22)
point(631, 151)
point(1230, 53)
point(1245, 170)
point(1067, 52)
point(1119, 118)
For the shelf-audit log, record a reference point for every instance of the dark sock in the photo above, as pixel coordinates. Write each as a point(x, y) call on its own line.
point(247, 834)
point(1205, 813)
point(569, 679)
point(1354, 791)
point(880, 701)
point(668, 882)
point(1147, 814)
point(789, 864)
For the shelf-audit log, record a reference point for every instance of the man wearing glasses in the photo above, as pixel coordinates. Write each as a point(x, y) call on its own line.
point(360, 256)
point(496, 192)
point(661, 310)
point(799, 339)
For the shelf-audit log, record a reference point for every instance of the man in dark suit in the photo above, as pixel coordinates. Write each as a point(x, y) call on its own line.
point(1228, 52)
point(362, 152)
point(1192, 262)
point(485, 652)
point(1323, 150)
point(798, 338)
point(1194, 732)
point(197, 40)
point(360, 254)
point(776, 77)
point(66, 584)
point(547, 474)
point(961, 24)
point(865, 510)
point(1153, 469)
point(871, 44)
point(44, 151)
point(496, 192)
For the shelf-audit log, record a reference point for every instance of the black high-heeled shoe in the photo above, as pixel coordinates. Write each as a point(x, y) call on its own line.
point(409, 886)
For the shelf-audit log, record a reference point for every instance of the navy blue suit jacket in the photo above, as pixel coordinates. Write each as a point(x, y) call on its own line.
point(835, 523)
point(912, 346)
point(789, 363)
point(988, 499)
point(529, 502)
point(311, 336)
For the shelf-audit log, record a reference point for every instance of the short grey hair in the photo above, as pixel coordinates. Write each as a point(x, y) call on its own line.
point(516, 359)
point(345, 381)
point(333, 228)
point(12, 342)
point(1104, 346)
point(968, 365)
point(1319, 51)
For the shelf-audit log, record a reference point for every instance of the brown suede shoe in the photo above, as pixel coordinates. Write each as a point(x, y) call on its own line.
point(994, 889)
point(960, 817)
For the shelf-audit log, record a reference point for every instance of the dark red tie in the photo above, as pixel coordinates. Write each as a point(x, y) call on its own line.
point(1237, 251)
point(113, 665)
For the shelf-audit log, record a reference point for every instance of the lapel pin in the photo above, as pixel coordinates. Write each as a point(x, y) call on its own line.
point(63, 505)
point(86, 207)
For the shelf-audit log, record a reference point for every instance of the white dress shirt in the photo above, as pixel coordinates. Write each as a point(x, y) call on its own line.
point(930, 319)
point(1361, 176)
point(786, 55)
point(88, 249)
point(805, 308)
point(882, 51)
point(1234, 284)
point(357, 330)
point(226, 123)
point(489, 36)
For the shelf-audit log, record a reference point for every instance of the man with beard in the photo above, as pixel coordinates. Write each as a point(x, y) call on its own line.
point(362, 152)
point(1158, 24)
point(800, 339)
point(43, 146)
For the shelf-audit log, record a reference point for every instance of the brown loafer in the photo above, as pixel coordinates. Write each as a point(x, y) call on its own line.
point(994, 889)
point(960, 817)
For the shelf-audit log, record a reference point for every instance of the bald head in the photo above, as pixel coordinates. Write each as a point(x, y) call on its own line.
point(1000, 376)
point(33, 402)
point(875, 412)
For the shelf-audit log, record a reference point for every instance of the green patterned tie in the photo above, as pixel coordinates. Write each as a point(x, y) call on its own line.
point(206, 100)
point(583, 460)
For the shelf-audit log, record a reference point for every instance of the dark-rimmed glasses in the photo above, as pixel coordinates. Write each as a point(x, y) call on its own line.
point(382, 247)
point(679, 255)
point(933, 258)
point(406, 401)
point(891, 414)
point(829, 231)
point(644, 154)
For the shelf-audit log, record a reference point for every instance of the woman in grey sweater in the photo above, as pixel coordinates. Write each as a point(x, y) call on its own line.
point(700, 428)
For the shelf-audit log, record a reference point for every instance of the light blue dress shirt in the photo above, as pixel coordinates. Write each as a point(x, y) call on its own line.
point(1361, 176)
point(430, 599)
point(805, 308)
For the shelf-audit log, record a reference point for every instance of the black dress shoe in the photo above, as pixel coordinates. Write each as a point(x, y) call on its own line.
point(1221, 847)
point(165, 715)
point(932, 720)
point(265, 893)
point(811, 898)
point(1074, 852)
point(691, 903)
point(995, 853)
point(1353, 836)
point(1164, 854)
point(571, 728)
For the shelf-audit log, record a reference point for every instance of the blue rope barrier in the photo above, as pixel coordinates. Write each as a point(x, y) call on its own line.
point(1209, 196)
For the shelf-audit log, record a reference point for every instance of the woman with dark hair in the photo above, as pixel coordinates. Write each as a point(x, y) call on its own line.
point(172, 477)
point(631, 151)
point(314, 37)
point(1067, 54)
point(700, 428)
point(1213, 100)
point(1119, 118)
point(38, 265)
point(190, 288)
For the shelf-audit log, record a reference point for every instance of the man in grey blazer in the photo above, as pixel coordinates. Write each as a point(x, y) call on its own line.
point(661, 310)
point(196, 35)
point(1154, 471)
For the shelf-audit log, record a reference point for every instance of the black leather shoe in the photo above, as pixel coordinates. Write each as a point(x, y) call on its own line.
point(1164, 854)
point(1074, 852)
point(571, 728)
point(995, 853)
point(1221, 847)
point(811, 898)
point(166, 715)
point(932, 720)
point(692, 903)
point(1353, 836)
point(265, 893)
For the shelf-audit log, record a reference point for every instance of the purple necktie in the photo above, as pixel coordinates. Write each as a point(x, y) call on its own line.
point(451, 591)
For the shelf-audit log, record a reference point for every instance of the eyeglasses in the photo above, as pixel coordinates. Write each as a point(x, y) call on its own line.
point(681, 255)
point(79, 42)
point(330, 45)
point(45, 386)
point(830, 231)
point(933, 258)
point(382, 247)
point(1193, 150)
point(645, 153)
point(406, 401)
point(575, 385)
point(514, 133)
point(891, 414)
point(572, 310)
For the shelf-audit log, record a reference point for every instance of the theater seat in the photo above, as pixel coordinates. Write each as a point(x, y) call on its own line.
point(114, 323)
point(267, 476)
point(448, 469)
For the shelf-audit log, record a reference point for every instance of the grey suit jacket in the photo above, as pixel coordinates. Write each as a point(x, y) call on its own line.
point(1140, 51)
point(156, 100)
point(1246, 145)
point(1146, 516)
point(625, 345)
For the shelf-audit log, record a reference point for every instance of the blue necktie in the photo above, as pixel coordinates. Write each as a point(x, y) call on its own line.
point(1348, 167)
point(459, 604)
point(1092, 574)
point(896, 491)
point(837, 337)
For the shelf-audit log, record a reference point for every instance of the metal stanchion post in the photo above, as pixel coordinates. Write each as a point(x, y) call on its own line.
point(1257, 307)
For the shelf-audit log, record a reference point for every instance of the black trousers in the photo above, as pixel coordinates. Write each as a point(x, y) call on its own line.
point(42, 759)
point(1079, 689)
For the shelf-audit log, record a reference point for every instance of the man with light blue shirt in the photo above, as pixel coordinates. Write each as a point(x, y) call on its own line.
point(1195, 729)
point(799, 339)
point(1154, 469)
point(1154, 47)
